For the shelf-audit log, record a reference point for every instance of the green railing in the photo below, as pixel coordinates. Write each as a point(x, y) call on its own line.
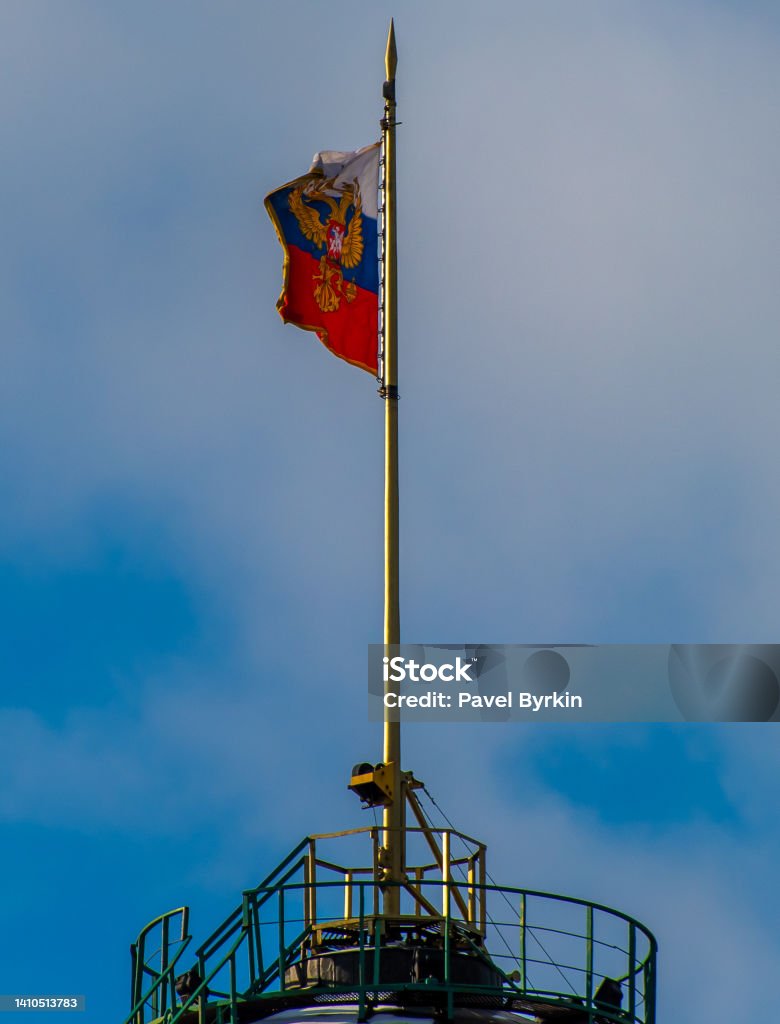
point(157, 1000)
point(545, 950)
point(154, 969)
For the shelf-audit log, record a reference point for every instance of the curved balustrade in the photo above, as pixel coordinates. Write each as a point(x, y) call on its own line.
point(314, 932)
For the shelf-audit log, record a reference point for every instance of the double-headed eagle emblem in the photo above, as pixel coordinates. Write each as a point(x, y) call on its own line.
point(343, 248)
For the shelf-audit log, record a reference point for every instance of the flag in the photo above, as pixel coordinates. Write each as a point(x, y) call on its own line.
point(326, 221)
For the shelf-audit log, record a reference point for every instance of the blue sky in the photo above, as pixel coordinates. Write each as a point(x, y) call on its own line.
point(190, 530)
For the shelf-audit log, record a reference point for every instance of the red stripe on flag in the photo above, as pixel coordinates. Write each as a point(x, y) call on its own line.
point(350, 332)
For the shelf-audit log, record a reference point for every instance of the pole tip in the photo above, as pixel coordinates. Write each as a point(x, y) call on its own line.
point(391, 55)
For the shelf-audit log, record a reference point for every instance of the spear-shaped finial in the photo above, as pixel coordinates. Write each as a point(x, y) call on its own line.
point(391, 55)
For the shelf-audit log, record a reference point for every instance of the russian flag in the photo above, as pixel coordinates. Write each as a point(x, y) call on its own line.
point(326, 221)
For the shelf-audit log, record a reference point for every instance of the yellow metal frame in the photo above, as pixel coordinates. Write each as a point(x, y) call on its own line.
point(462, 902)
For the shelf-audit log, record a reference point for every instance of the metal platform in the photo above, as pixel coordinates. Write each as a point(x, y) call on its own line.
point(312, 936)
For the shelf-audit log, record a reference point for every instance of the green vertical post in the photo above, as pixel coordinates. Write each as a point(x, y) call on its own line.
point(233, 993)
point(164, 964)
point(650, 988)
point(258, 939)
point(589, 962)
point(377, 949)
point(632, 970)
point(447, 941)
point(133, 986)
point(281, 938)
point(202, 996)
point(524, 980)
point(246, 923)
point(361, 953)
point(445, 873)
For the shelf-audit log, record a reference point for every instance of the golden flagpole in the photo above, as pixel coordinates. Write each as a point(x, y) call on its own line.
point(393, 817)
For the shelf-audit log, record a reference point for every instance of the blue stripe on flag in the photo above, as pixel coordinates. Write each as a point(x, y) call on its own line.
point(366, 275)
